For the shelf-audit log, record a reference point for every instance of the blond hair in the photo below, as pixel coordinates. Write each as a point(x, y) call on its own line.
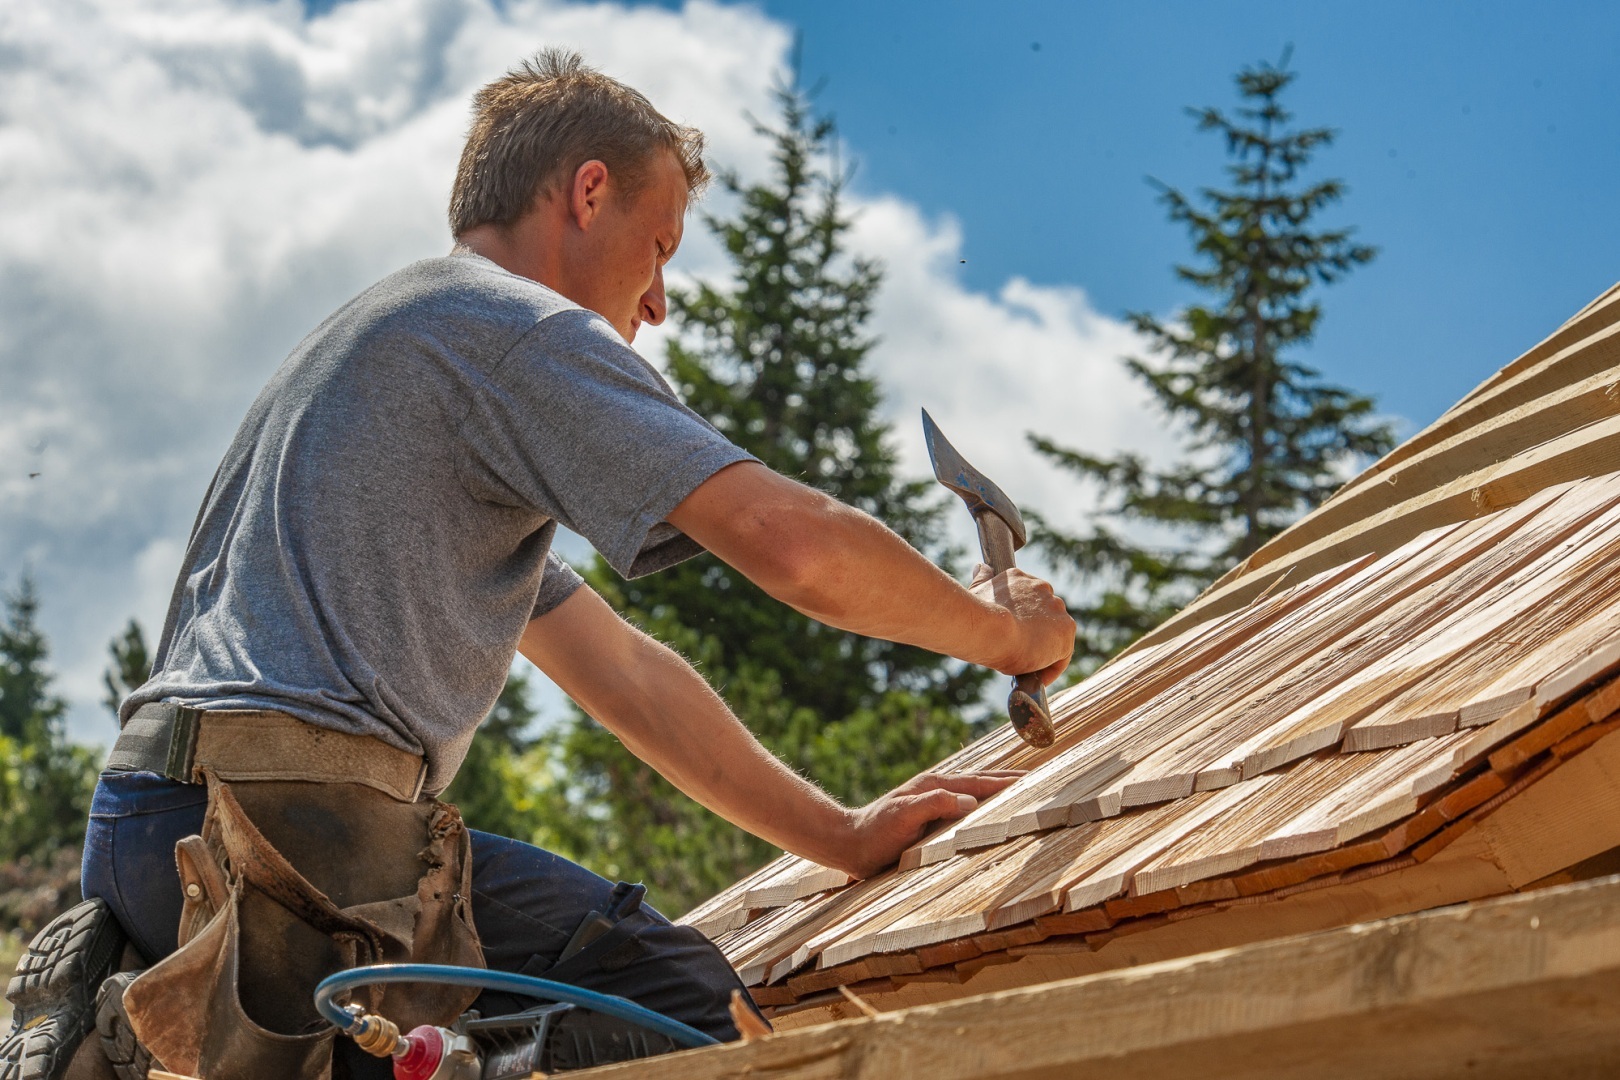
point(534, 127)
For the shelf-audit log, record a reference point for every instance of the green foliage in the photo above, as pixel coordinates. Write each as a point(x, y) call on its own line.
point(505, 784)
point(775, 358)
point(28, 710)
point(45, 781)
point(130, 668)
point(1265, 438)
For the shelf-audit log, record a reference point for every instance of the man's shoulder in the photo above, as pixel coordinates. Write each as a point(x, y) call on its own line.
point(466, 307)
point(464, 285)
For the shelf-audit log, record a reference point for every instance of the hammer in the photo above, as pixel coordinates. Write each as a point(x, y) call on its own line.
point(1001, 532)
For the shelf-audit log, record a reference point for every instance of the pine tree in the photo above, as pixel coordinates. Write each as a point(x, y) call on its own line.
point(1266, 439)
point(45, 780)
point(776, 359)
point(130, 668)
point(29, 712)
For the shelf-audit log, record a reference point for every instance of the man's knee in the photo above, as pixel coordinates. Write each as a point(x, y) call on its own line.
point(674, 970)
point(540, 914)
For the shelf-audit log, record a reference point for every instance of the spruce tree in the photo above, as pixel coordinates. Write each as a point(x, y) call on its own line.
point(45, 780)
point(29, 712)
point(130, 668)
point(1265, 438)
point(776, 359)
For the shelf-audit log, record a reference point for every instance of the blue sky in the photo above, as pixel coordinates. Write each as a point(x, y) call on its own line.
point(188, 186)
point(1480, 141)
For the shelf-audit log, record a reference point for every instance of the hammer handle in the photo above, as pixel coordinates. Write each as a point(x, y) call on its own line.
point(1026, 706)
point(995, 541)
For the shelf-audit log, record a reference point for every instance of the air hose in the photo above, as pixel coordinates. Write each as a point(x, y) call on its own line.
point(544, 989)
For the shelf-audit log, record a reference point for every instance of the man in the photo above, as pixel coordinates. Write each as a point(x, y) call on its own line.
point(376, 546)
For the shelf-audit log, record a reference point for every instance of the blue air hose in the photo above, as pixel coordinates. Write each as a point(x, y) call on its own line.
point(526, 985)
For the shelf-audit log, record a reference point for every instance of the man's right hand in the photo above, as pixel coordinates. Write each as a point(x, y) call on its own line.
point(1045, 630)
point(842, 567)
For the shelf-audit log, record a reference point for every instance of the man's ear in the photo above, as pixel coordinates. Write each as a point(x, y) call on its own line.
point(589, 193)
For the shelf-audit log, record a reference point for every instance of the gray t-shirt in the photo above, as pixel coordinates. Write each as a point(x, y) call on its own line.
point(379, 532)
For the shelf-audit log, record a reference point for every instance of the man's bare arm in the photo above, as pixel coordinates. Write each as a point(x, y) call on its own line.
point(668, 716)
point(845, 568)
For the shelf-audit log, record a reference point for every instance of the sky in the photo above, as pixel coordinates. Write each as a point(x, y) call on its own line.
point(188, 186)
point(1480, 142)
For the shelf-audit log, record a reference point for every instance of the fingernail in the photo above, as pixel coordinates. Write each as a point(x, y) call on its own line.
point(965, 803)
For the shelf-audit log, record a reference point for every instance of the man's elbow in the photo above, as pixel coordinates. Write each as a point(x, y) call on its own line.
point(815, 580)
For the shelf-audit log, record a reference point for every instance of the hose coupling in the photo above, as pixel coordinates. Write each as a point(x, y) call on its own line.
point(376, 1035)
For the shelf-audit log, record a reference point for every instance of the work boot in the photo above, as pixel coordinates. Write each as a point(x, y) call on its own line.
point(53, 993)
point(128, 1058)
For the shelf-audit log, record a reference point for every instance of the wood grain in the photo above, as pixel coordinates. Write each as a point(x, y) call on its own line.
point(1518, 986)
point(1359, 700)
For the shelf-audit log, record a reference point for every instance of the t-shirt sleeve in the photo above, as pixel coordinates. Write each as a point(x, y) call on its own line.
point(575, 424)
point(557, 583)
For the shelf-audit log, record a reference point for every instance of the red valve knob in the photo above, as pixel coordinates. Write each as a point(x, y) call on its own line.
point(425, 1050)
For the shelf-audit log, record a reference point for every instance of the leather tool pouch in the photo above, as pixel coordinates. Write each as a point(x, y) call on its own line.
point(289, 882)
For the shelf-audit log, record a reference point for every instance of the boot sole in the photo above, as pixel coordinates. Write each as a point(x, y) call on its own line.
point(53, 993)
point(124, 1052)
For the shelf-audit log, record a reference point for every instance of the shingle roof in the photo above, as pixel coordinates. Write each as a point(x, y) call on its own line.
point(1405, 661)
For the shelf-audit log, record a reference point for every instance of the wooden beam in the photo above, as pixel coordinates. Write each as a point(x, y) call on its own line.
point(1524, 985)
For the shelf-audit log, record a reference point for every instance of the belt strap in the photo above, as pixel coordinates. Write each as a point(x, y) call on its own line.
point(158, 738)
point(178, 742)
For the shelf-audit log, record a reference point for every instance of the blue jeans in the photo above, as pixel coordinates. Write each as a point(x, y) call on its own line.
point(526, 903)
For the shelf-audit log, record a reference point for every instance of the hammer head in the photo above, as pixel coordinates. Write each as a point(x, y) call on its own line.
point(981, 496)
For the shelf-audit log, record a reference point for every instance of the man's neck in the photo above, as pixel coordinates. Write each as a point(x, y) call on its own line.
point(527, 247)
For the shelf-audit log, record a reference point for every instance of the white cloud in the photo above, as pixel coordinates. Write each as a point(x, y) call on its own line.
point(989, 369)
point(188, 186)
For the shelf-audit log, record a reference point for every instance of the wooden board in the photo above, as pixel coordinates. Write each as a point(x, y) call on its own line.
point(1431, 606)
point(1526, 833)
point(1460, 871)
point(1453, 619)
point(795, 879)
point(1501, 429)
point(1514, 987)
point(1561, 361)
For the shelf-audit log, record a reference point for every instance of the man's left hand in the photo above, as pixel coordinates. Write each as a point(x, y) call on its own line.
point(884, 828)
point(667, 716)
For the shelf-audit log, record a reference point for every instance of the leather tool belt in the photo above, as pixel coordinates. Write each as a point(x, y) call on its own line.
point(180, 742)
point(287, 883)
point(317, 853)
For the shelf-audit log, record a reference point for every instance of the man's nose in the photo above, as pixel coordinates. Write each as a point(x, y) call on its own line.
point(653, 304)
